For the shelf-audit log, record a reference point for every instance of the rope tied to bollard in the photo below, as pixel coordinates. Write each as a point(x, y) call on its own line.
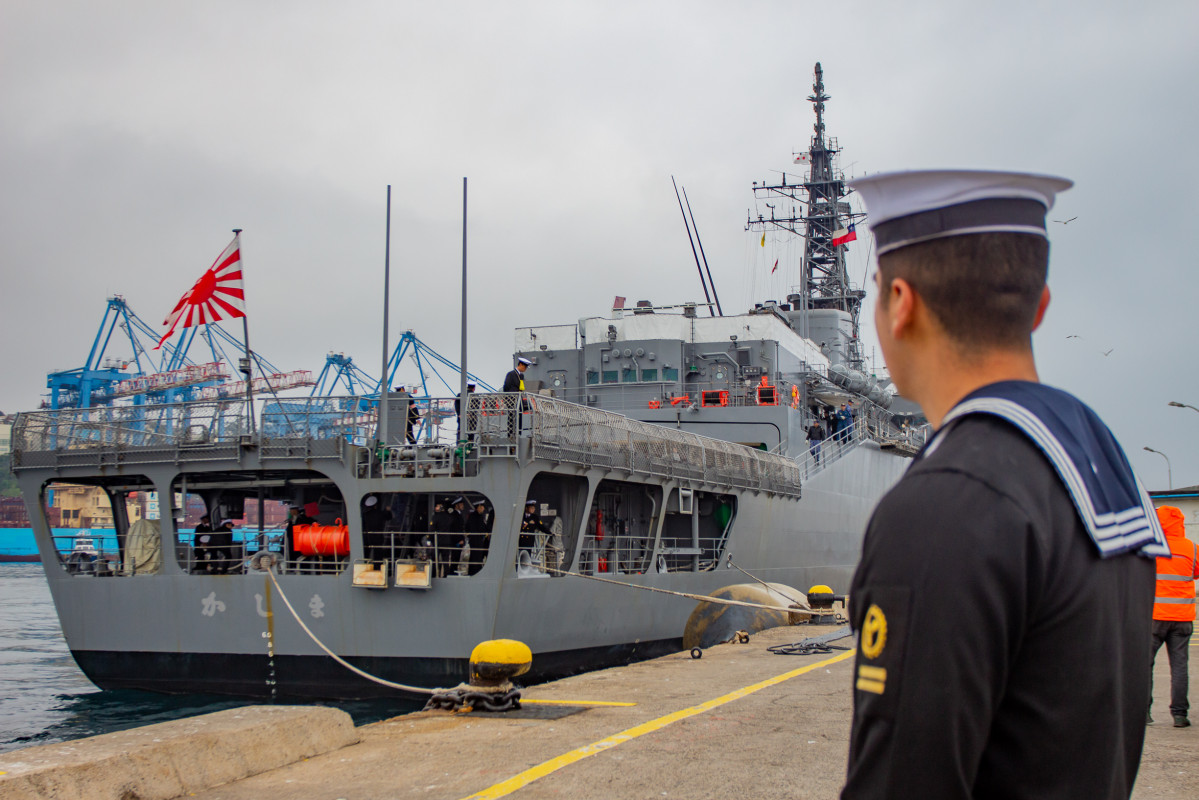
point(462, 697)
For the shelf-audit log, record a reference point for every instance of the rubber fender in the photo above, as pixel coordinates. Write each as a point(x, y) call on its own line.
point(712, 623)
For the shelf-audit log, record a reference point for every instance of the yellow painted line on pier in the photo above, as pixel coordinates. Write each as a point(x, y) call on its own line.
point(505, 788)
point(524, 700)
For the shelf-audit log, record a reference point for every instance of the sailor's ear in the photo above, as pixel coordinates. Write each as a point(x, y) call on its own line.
point(901, 306)
point(1041, 306)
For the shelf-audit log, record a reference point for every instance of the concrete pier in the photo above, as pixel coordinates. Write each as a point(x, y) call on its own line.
point(172, 759)
point(738, 721)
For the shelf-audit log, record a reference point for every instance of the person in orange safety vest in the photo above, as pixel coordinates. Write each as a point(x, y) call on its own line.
point(1174, 609)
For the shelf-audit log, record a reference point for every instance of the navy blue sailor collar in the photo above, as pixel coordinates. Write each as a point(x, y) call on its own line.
point(1109, 498)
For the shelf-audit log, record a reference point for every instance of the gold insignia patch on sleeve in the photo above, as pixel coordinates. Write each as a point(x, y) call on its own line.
point(872, 679)
point(874, 632)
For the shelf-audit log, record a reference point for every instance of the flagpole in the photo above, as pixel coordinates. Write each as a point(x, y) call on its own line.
point(383, 434)
point(247, 369)
point(462, 397)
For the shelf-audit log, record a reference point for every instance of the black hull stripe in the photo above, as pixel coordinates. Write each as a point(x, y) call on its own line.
point(321, 678)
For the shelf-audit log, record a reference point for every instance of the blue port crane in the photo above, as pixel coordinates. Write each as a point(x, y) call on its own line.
point(341, 371)
point(427, 360)
point(145, 375)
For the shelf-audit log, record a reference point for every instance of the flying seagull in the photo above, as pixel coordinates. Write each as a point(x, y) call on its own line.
point(1072, 336)
point(1109, 352)
point(1066, 221)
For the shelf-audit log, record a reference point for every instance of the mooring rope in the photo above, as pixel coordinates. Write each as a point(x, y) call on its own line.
point(266, 564)
point(701, 597)
point(381, 681)
point(743, 572)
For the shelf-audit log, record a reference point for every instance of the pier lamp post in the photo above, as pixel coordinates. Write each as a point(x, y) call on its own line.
point(1177, 404)
point(1169, 471)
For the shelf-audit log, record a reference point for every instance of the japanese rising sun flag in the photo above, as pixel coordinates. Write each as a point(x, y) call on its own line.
point(219, 294)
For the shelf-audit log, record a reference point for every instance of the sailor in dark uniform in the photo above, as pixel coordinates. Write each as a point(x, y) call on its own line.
point(444, 524)
point(1005, 591)
point(472, 417)
point(514, 381)
point(530, 526)
point(478, 536)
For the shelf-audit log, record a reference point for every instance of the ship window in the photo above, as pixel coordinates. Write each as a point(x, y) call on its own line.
point(649, 374)
point(611, 376)
point(99, 528)
point(546, 542)
point(592, 377)
point(628, 375)
point(670, 374)
point(406, 530)
point(692, 542)
point(315, 542)
point(621, 526)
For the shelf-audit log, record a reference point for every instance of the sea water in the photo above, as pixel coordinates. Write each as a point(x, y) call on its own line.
point(44, 697)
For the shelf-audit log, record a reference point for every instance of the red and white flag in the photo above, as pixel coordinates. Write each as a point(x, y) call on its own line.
point(845, 235)
point(219, 294)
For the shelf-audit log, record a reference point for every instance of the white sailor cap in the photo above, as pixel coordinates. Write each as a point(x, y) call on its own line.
point(911, 207)
point(523, 360)
point(471, 384)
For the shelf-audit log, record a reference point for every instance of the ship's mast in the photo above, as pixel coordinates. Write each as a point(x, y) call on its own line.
point(823, 198)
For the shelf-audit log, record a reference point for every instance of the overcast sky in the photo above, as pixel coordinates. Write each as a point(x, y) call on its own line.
point(134, 136)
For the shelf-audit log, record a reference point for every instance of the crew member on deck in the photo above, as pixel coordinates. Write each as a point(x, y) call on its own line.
point(411, 420)
point(471, 416)
point(478, 536)
point(530, 526)
point(514, 381)
point(1000, 630)
point(295, 516)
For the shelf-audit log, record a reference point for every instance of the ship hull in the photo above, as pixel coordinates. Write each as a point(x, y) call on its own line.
point(169, 629)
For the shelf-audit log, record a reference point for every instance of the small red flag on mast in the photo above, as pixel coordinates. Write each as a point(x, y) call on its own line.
point(219, 294)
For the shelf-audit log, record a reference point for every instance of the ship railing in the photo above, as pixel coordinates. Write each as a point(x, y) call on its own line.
point(637, 397)
point(655, 399)
point(83, 435)
point(570, 433)
point(904, 439)
point(438, 554)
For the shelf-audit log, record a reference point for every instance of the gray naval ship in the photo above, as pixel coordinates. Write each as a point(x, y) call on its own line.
point(656, 447)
